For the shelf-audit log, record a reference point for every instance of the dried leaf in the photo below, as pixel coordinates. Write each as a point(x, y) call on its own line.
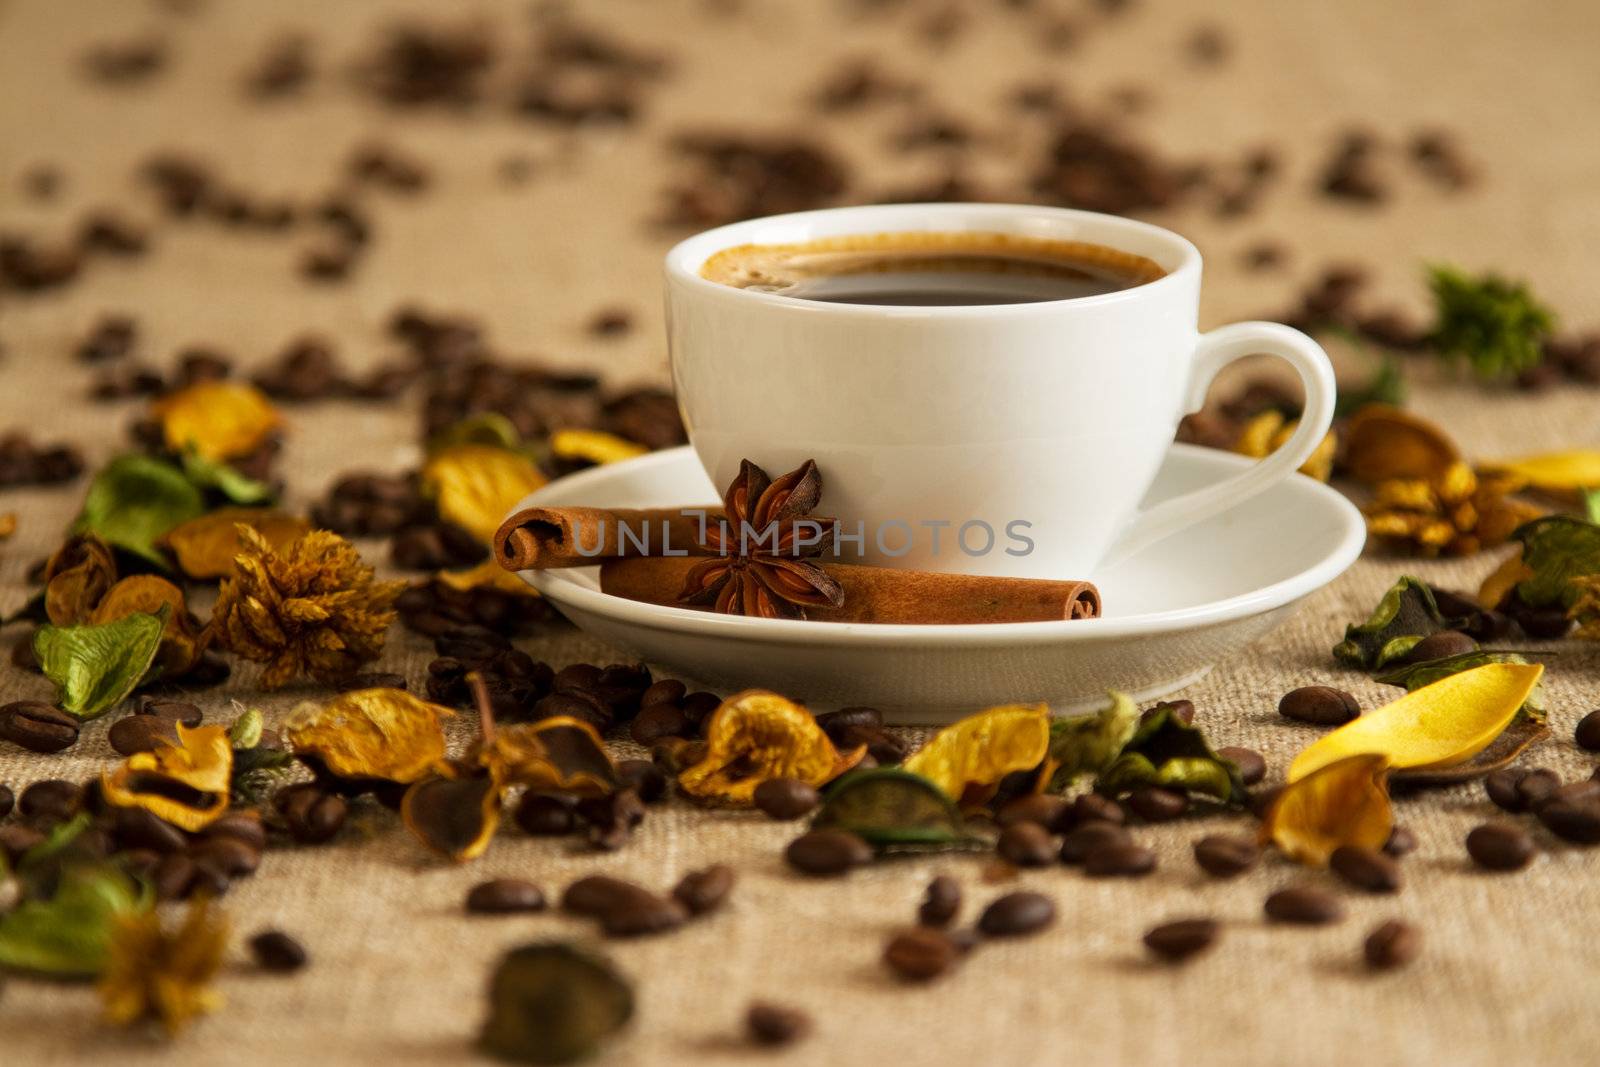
point(205, 547)
point(370, 733)
point(553, 1003)
point(969, 757)
point(218, 420)
point(134, 500)
point(1493, 323)
point(235, 487)
point(1345, 802)
point(1440, 725)
point(893, 810)
point(1555, 472)
point(181, 639)
point(756, 735)
point(187, 783)
point(1383, 442)
point(1406, 614)
point(76, 577)
point(1086, 744)
point(1555, 550)
point(1166, 751)
point(96, 666)
point(485, 428)
point(1505, 578)
point(594, 446)
point(165, 976)
point(555, 755)
point(475, 486)
point(67, 933)
point(455, 817)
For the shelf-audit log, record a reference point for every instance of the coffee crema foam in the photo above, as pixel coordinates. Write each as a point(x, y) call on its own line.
point(931, 268)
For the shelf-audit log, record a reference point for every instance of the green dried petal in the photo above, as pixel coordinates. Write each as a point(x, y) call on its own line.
point(134, 500)
point(1166, 751)
point(95, 666)
point(893, 809)
point(1557, 548)
point(1406, 614)
point(552, 1002)
point(1086, 744)
point(215, 474)
point(67, 934)
point(1495, 325)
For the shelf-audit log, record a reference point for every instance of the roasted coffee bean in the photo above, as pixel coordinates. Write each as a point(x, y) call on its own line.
point(1076, 846)
point(1026, 844)
point(786, 798)
point(611, 818)
point(180, 711)
point(775, 1025)
point(1319, 705)
point(827, 852)
point(597, 894)
point(1536, 786)
point(209, 877)
point(1044, 809)
point(230, 855)
point(275, 950)
point(1391, 945)
point(704, 891)
point(1587, 733)
point(1366, 868)
point(1441, 645)
point(1251, 765)
point(1304, 905)
point(644, 778)
point(1500, 846)
point(314, 817)
point(8, 800)
point(243, 826)
point(17, 839)
point(1119, 861)
point(1093, 807)
point(140, 733)
point(1401, 842)
point(882, 745)
point(665, 691)
point(940, 902)
point(1157, 804)
point(1016, 914)
point(920, 954)
point(1226, 855)
point(1573, 820)
point(37, 726)
point(1182, 939)
point(699, 706)
point(546, 816)
point(1501, 786)
point(658, 721)
point(1182, 710)
point(138, 828)
point(173, 876)
point(139, 862)
point(51, 798)
point(1542, 624)
point(643, 913)
point(503, 896)
point(834, 723)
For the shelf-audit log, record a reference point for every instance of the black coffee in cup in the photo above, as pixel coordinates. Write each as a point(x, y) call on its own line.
point(931, 269)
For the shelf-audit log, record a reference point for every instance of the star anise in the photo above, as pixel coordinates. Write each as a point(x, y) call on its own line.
point(759, 565)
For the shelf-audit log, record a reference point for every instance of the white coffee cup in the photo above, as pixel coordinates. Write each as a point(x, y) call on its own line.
point(939, 422)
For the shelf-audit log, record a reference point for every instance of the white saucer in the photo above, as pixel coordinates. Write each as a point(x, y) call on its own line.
point(1170, 610)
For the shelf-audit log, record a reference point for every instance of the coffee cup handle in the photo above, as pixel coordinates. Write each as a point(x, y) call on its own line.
point(1216, 350)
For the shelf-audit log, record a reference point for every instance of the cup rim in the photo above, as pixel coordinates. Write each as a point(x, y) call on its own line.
point(684, 260)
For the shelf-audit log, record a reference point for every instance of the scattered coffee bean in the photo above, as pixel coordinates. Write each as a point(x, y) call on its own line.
point(1261, 801)
point(1577, 821)
point(1093, 807)
point(1226, 855)
point(179, 711)
point(1366, 868)
point(834, 723)
point(138, 828)
point(1251, 764)
point(786, 798)
point(1587, 734)
point(173, 877)
point(546, 816)
point(371, 680)
point(1501, 786)
point(612, 818)
point(1089, 837)
point(245, 826)
point(941, 902)
point(37, 726)
point(704, 891)
point(275, 950)
point(644, 778)
point(1182, 710)
point(1441, 645)
point(1401, 842)
point(1119, 861)
point(1319, 705)
point(775, 1024)
point(1026, 844)
point(504, 896)
point(1044, 809)
point(50, 798)
point(597, 894)
point(827, 852)
point(658, 721)
point(140, 733)
point(8, 800)
point(1536, 786)
point(1500, 846)
point(1158, 804)
point(1183, 938)
point(1016, 914)
point(1391, 945)
point(643, 913)
point(920, 954)
point(312, 816)
point(229, 855)
point(1304, 905)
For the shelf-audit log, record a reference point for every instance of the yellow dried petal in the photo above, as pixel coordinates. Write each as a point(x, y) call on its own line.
point(1457, 483)
point(555, 755)
point(371, 733)
point(1505, 578)
point(181, 642)
point(488, 574)
point(1383, 442)
point(756, 735)
point(981, 749)
point(205, 547)
point(474, 486)
point(454, 816)
point(185, 783)
point(1404, 494)
point(1555, 472)
point(1255, 440)
point(153, 974)
point(1343, 803)
point(1439, 725)
point(219, 420)
point(594, 446)
point(77, 576)
point(8, 524)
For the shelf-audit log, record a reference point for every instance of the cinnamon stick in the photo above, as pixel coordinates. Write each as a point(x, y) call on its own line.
point(884, 594)
point(541, 538)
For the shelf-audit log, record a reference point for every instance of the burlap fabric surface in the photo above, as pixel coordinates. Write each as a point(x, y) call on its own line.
point(1509, 970)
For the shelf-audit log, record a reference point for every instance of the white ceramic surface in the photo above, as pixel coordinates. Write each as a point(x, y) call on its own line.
point(1054, 414)
point(1171, 610)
